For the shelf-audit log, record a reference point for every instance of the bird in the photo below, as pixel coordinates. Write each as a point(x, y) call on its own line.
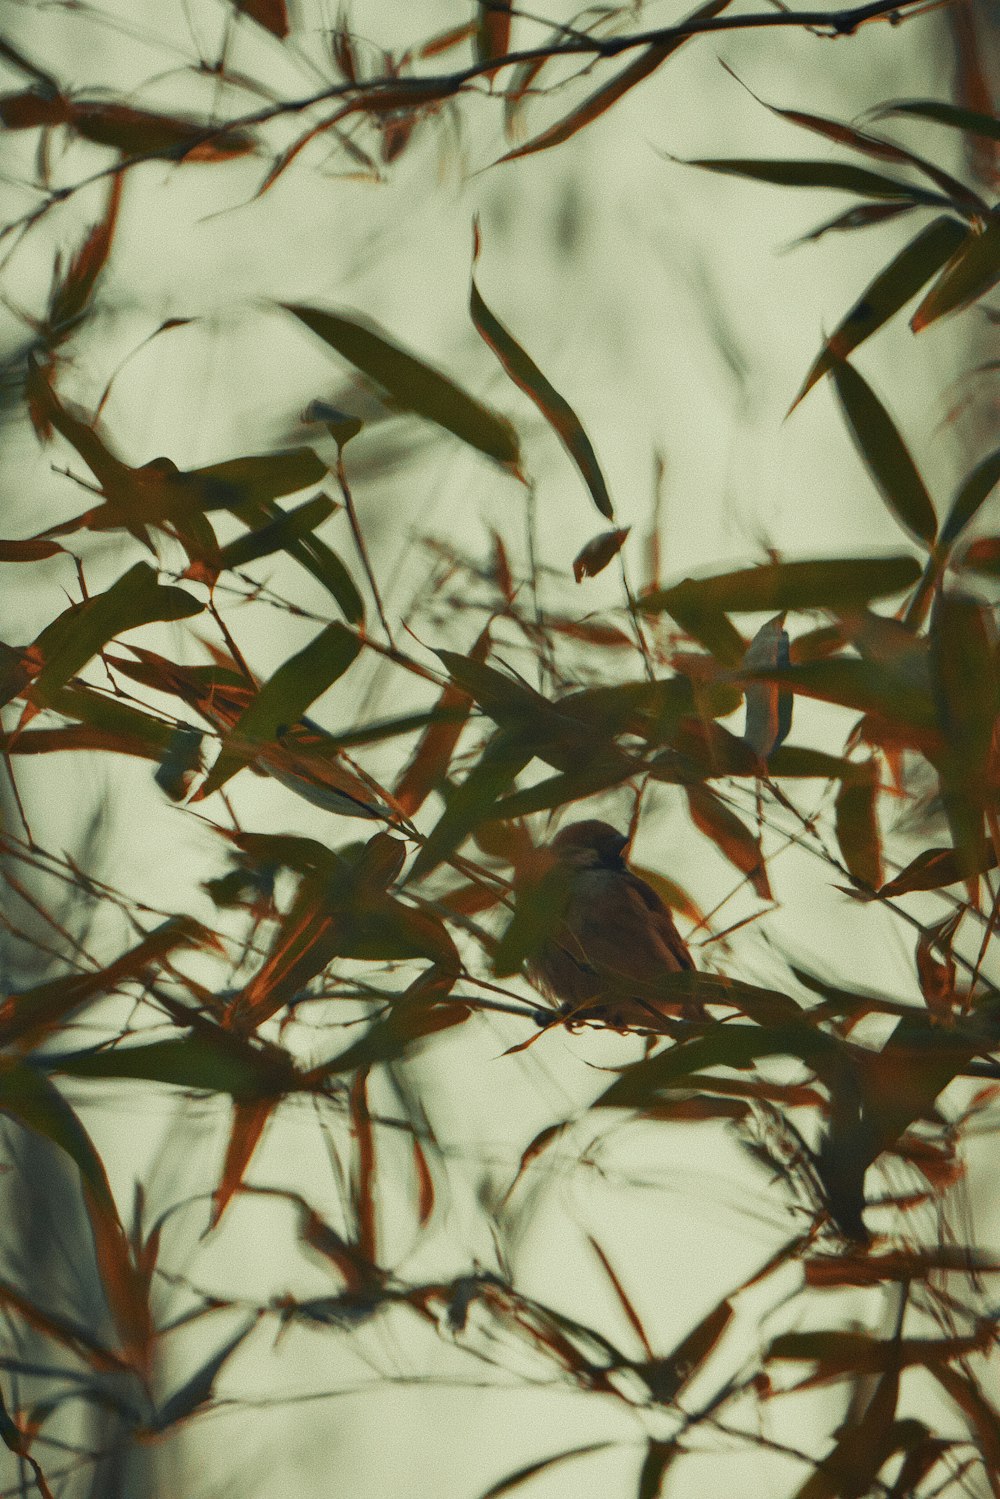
point(614, 930)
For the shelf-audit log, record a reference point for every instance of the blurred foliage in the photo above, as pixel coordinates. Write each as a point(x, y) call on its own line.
point(406, 930)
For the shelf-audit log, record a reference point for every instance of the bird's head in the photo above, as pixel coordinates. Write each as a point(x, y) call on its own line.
point(590, 845)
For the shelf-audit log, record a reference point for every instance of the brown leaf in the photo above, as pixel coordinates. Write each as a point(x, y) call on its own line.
point(596, 555)
point(249, 1118)
point(733, 839)
point(609, 93)
point(271, 14)
point(429, 763)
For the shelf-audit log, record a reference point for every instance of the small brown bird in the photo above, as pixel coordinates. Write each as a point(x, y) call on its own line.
point(615, 930)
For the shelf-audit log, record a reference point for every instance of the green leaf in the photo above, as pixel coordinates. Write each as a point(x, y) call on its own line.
point(72, 292)
point(197, 1390)
point(293, 532)
point(857, 824)
point(964, 668)
point(555, 408)
point(902, 278)
point(867, 686)
point(33, 1101)
point(208, 1060)
point(326, 567)
point(284, 698)
point(728, 1045)
point(864, 1442)
point(541, 905)
point(599, 773)
point(522, 1475)
point(421, 1011)
point(861, 216)
point(413, 384)
point(473, 801)
point(799, 761)
point(954, 115)
point(838, 175)
point(977, 487)
point(973, 270)
point(112, 717)
point(881, 150)
point(885, 454)
point(240, 482)
point(276, 535)
point(428, 765)
point(598, 553)
point(30, 549)
point(27, 1017)
point(69, 642)
point(828, 584)
point(983, 556)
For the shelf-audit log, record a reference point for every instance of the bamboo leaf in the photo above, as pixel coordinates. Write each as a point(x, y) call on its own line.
point(953, 115)
point(964, 668)
point(197, 1389)
point(596, 555)
point(872, 145)
point(737, 1046)
point(276, 535)
point(974, 491)
point(768, 710)
point(514, 1480)
point(890, 291)
point(972, 271)
point(140, 132)
point(208, 1060)
point(857, 824)
point(493, 30)
point(421, 1011)
point(284, 698)
point(732, 838)
point(73, 291)
point(869, 686)
point(429, 762)
point(473, 801)
point(412, 383)
point(983, 556)
point(935, 868)
point(31, 549)
point(68, 643)
point(862, 216)
point(528, 377)
point(271, 14)
point(885, 454)
point(659, 1456)
point(30, 1098)
point(609, 93)
point(839, 176)
point(238, 483)
point(27, 1017)
point(836, 583)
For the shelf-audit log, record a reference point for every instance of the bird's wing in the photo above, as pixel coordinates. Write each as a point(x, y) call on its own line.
point(662, 920)
point(622, 927)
